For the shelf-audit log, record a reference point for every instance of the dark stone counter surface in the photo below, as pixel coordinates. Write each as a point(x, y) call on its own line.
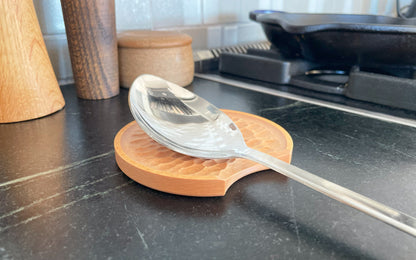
point(63, 196)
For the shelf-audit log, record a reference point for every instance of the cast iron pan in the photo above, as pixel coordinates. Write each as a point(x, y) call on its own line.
point(345, 39)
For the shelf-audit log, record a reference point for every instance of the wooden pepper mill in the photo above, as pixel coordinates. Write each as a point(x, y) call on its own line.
point(28, 86)
point(92, 41)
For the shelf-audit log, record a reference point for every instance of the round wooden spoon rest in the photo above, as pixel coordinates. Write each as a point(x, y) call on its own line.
point(155, 166)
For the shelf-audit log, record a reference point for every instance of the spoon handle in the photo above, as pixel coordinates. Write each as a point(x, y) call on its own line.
point(371, 207)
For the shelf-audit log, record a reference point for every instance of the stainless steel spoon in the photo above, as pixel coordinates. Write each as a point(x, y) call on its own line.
point(188, 124)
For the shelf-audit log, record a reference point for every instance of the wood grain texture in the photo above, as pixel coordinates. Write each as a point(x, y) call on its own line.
point(28, 86)
point(92, 40)
point(143, 39)
point(155, 166)
point(164, 54)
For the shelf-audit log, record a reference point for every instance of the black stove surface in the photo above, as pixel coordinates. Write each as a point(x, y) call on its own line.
point(319, 96)
point(386, 89)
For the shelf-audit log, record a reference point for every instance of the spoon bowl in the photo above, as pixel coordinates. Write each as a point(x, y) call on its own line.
point(183, 121)
point(188, 124)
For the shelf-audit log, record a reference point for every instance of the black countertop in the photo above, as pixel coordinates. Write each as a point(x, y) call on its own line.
point(63, 196)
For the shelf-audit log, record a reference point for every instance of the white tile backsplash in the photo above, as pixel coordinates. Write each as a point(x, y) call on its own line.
point(278, 5)
point(58, 52)
point(329, 6)
point(214, 34)
point(210, 10)
point(137, 16)
point(314, 6)
point(49, 13)
point(199, 36)
point(217, 11)
point(192, 12)
point(357, 7)
point(389, 7)
point(264, 4)
point(211, 23)
point(167, 13)
point(230, 35)
point(250, 32)
point(250, 5)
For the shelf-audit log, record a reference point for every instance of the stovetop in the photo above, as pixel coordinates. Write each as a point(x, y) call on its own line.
point(389, 90)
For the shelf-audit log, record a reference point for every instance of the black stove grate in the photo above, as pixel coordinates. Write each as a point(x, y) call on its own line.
point(392, 86)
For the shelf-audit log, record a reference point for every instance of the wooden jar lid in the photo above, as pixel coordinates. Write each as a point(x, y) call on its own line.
point(152, 39)
point(166, 54)
point(155, 166)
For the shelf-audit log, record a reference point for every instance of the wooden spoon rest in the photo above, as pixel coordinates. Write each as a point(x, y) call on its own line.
point(155, 166)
